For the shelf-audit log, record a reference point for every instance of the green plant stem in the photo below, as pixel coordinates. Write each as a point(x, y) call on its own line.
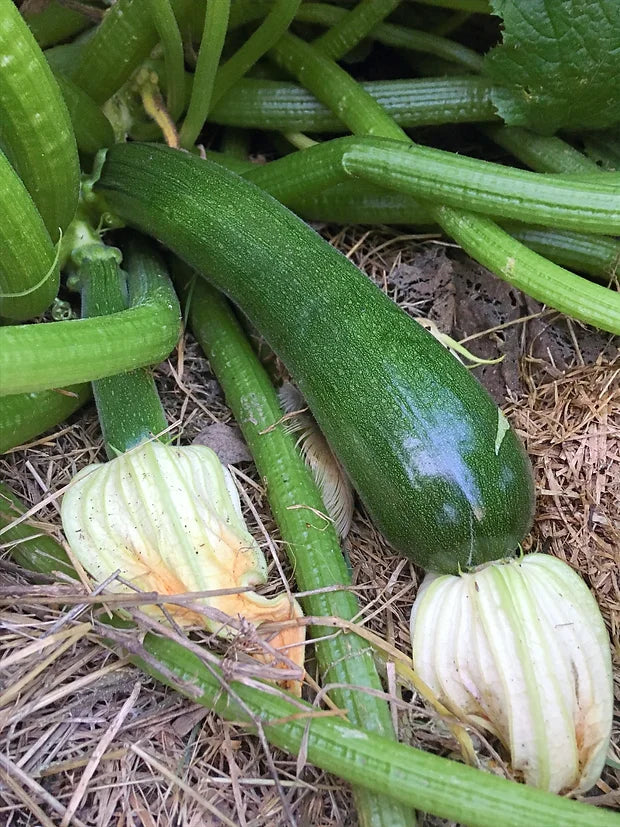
point(168, 32)
point(398, 37)
point(482, 239)
point(213, 36)
point(355, 25)
point(310, 540)
point(55, 23)
point(603, 147)
point(35, 129)
point(413, 777)
point(590, 203)
point(542, 153)
point(128, 405)
point(277, 21)
point(26, 415)
point(42, 356)
point(355, 202)
point(265, 104)
point(121, 42)
point(235, 145)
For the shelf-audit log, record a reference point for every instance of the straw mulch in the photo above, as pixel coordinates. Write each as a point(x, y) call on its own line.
point(89, 740)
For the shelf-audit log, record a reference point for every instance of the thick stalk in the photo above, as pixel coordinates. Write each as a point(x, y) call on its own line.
point(310, 539)
point(413, 777)
point(213, 35)
point(29, 272)
point(397, 37)
point(277, 21)
point(169, 34)
point(478, 235)
point(542, 153)
point(121, 42)
point(589, 203)
point(355, 25)
point(265, 104)
point(355, 202)
point(42, 356)
point(35, 128)
point(129, 408)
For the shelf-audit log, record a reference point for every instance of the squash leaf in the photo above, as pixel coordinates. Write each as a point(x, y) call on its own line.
point(558, 65)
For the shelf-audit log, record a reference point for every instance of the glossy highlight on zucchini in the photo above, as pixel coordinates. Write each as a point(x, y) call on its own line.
point(432, 457)
point(35, 129)
point(28, 266)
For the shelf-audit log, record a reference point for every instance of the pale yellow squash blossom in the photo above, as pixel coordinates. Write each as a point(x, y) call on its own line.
point(519, 648)
point(169, 521)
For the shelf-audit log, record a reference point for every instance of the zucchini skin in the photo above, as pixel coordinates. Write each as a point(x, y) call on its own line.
point(29, 274)
point(23, 416)
point(421, 440)
point(35, 128)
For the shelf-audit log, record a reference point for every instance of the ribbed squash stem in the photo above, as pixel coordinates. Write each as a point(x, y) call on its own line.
point(415, 778)
point(591, 202)
point(353, 27)
point(480, 237)
point(121, 42)
point(213, 35)
point(356, 202)
point(128, 405)
point(174, 58)
point(54, 355)
point(278, 18)
point(398, 37)
point(35, 129)
point(310, 539)
point(269, 104)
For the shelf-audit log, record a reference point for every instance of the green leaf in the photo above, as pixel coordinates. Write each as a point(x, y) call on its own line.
point(558, 65)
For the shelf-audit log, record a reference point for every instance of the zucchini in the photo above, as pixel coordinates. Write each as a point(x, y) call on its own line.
point(28, 266)
point(23, 416)
point(35, 129)
point(432, 457)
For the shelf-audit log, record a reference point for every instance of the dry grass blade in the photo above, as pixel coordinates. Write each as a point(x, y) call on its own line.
point(18, 686)
point(183, 785)
point(18, 780)
point(100, 749)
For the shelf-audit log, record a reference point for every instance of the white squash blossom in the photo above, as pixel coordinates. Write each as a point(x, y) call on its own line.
point(169, 520)
point(520, 649)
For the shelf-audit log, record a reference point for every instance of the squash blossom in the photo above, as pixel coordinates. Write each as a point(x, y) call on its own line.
point(169, 520)
point(520, 649)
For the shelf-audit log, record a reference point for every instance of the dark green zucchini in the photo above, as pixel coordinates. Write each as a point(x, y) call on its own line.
point(431, 455)
point(23, 416)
